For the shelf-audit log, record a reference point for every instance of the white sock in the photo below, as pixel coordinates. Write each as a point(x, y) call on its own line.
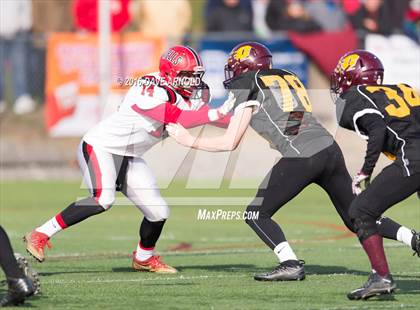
point(143, 254)
point(50, 227)
point(284, 252)
point(404, 235)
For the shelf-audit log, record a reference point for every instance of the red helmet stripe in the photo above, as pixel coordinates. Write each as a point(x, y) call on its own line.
point(197, 58)
point(171, 94)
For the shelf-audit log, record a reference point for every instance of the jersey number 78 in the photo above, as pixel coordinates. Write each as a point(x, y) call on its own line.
point(285, 83)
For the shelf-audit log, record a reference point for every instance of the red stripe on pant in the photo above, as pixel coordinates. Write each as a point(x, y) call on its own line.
point(97, 191)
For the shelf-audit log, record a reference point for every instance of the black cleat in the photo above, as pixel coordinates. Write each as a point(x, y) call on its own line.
point(21, 288)
point(375, 286)
point(29, 272)
point(290, 270)
point(415, 243)
point(18, 290)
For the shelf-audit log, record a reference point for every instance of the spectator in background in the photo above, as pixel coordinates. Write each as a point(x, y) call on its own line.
point(412, 20)
point(328, 14)
point(290, 15)
point(48, 17)
point(16, 22)
point(212, 4)
point(259, 9)
point(171, 19)
point(229, 15)
point(372, 17)
point(397, 11)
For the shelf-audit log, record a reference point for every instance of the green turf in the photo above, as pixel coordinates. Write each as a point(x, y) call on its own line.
point(89, 265)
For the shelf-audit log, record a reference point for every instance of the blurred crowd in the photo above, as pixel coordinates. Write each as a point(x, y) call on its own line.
point(26, 24)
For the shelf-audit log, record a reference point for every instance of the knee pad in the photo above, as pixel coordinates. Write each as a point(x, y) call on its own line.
point(156, 213)
point(106, 200)
point(364, 223)
point(365, 227)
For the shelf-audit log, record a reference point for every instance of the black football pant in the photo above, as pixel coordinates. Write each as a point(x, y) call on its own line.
point(290, 176)
point(7, 258)
point(388, 188)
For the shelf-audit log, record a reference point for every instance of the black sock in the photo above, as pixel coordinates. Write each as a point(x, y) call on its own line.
point(7, 258)
point(150, 232)
point(80, 210)
point(387, 228)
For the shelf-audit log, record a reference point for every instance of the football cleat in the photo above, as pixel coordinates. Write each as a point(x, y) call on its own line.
point(35, 244)
point(290, 270)
point(375, 286)
point(18, 290)
point(415, 243)
point(153, 264)
point(29, 272)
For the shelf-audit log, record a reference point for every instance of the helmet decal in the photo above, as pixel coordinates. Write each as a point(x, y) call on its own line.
point(349, 62)
point(242, 53)
point(244, 57)
point(173, 57)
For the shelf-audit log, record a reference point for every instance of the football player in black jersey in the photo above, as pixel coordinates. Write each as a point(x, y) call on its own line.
point(22, 280)
point(274, 102)
point(388, 116)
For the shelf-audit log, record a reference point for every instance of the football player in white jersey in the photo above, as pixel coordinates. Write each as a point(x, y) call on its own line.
point(110, 154)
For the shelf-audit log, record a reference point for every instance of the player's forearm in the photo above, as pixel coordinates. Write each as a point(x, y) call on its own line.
point(190, 119)
point(215, 144)
point(222, 123)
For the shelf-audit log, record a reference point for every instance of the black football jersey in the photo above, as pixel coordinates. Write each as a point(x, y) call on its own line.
point(282, 111)
point(399, 107)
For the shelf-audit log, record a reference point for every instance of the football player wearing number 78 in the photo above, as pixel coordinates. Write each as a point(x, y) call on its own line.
point(275, 104)
point(388, 116)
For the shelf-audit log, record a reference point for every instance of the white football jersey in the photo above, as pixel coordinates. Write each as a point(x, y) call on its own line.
point(127, 132)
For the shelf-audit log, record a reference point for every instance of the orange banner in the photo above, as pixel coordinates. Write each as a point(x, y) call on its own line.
point(72, 82)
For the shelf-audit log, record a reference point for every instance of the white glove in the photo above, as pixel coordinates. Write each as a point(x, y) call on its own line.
point(224, 109)
point(360, 180)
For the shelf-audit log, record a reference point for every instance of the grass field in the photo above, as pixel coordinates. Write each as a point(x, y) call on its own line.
point(89, 265)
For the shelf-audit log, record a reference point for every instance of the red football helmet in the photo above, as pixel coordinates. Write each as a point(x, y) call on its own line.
point(357, 67)
point(182, 68)
point(247, 56)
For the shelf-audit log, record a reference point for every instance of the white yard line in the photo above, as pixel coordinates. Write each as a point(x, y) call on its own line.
point(178, 278)
point(187, 278)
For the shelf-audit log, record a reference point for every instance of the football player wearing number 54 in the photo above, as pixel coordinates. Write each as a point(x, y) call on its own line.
point(275, 104)
point(388, 116)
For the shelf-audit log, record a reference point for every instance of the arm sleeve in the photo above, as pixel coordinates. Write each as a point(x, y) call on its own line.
point(189, 119)
point(168, 113)
point(222, 123)
point(374, 126)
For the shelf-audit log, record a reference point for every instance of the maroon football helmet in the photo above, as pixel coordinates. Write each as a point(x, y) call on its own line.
point(247, 56)
point(358, 67)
